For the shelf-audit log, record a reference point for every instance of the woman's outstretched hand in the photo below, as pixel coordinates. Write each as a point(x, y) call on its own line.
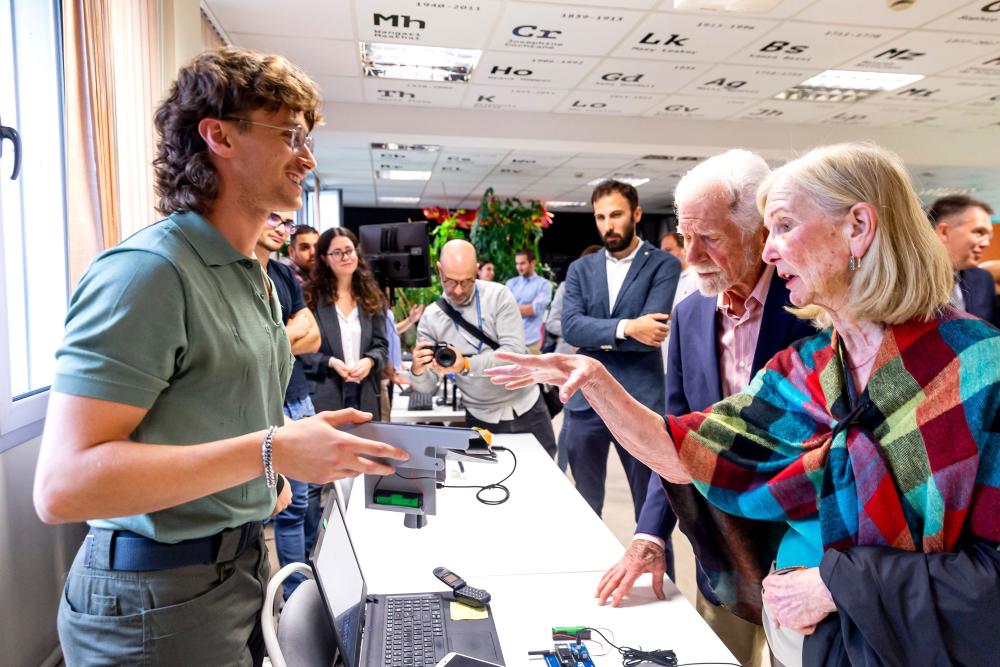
point(569, 372)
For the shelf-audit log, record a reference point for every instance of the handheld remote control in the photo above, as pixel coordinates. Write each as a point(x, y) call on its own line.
point(475, 597)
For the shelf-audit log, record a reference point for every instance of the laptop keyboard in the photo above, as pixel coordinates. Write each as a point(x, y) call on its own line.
point(420, 401)
point(414, 631)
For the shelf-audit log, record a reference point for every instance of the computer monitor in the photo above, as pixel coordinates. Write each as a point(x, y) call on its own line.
point(398, 253)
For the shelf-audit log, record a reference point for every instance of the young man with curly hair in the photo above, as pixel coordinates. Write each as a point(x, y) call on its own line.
point(165, 429)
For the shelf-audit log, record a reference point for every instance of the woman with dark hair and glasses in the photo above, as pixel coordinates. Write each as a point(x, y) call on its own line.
point(350, 311)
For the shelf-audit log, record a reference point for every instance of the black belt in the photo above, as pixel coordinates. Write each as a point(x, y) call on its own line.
point(125, 550)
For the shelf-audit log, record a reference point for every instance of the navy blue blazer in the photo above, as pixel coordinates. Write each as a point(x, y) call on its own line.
point(693, 378)
point(979, 291)
point(589, 324)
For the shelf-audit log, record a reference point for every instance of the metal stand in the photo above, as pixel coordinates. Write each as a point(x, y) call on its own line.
point(414, 520)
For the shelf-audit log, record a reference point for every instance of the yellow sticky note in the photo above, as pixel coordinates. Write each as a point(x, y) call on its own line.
point(463, 612)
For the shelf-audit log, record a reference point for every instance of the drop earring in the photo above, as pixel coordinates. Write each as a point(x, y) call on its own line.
point(854, 264)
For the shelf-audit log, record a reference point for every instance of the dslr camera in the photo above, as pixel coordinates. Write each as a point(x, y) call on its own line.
point(444, 356)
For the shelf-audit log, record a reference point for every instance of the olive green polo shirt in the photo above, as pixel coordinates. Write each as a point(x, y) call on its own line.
point(177, 321)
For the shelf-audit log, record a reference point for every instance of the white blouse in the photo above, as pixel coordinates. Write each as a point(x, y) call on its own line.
point(350, 336)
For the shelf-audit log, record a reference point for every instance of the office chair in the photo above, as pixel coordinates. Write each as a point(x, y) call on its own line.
point(304, 637)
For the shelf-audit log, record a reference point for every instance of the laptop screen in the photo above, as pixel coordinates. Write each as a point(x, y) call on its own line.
point(338, 574)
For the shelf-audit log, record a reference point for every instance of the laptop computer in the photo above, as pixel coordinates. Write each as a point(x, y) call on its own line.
point(410, 630)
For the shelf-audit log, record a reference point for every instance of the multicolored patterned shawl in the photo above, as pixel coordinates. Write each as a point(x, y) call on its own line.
point(914, 465)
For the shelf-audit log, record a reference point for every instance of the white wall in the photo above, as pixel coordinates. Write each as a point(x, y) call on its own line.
point(34, 559)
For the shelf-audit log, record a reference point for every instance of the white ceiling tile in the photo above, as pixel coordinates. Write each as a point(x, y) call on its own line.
point(871, 115)
point(785, 9)
point(641, 76)
point(510, 98)
point(464, 25)
point(313, 18)
point(617, 4)
point(781, 111)
point(578, 174)
point(799, 44)
point(605, 103)
point(599, 160)
point(950, 119)
point(413, 93)
point(876, 12)
point(404, 159)
point(561, 30)
point(687, 106)
point(547, 159)
point(990, 102)
point(345, 89)
point(986, 68)
point(740, 81)
point(978, 16)
point(925, 52)
point(684, 37)
point(318, 57)
point(473, 155)
point(937, 90)
point(523, 69)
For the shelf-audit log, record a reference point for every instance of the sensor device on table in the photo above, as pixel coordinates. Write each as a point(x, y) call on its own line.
point(412, 489)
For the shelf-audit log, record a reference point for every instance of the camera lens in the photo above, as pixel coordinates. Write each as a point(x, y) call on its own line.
point(444, 356)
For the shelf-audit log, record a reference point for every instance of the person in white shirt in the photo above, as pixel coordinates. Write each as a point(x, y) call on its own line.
point(350, 310)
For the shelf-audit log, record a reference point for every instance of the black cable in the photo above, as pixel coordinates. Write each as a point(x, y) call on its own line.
point(664, 657)
point(497, 485)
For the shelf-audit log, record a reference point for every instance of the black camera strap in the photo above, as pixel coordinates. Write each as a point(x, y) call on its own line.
point(457, 318)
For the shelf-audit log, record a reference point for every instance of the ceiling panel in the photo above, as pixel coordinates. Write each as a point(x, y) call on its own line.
point(314, 18)
point(682, 37)
point(569, 91)
point(877, 12)
point(530, 70)
point(463, 25)
point(921, 52)
point(695, 107)
point(611, 104)
point(318, 57)
point(561, 30)
point(641, 76)
point(798, 44)
point(741, 81)
point(512, 98)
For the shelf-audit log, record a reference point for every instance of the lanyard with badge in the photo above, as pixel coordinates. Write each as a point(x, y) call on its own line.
point(459, 321)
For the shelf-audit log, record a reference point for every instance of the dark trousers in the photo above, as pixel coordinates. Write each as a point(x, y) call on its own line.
point(535, 421)
point(589, 440)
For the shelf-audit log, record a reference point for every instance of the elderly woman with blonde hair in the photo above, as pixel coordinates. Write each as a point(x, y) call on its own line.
point(877, 441)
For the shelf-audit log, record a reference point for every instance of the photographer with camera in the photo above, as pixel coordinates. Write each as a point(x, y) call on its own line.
point(458, 335)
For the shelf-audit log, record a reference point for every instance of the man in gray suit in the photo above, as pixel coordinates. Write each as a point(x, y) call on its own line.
point(615, 310)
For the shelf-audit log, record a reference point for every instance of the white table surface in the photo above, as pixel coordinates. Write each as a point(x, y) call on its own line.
point(473, 539)
point(525, 607)
point(540, 555)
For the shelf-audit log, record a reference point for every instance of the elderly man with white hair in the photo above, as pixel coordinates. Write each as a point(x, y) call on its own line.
point(719, 338)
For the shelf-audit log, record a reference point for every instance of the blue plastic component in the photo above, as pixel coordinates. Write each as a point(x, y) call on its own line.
point(581, 657)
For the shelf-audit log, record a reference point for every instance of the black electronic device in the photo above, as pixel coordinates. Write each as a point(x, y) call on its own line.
point(398, 253)
point(444, 356)
point(420, 401)
point(475, 597)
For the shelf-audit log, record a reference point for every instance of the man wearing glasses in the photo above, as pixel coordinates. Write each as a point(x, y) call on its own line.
point(165, 430)
point(295, 526)
point(490, 308)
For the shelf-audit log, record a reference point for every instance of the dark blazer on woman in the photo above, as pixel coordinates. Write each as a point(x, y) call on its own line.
point(329, 390)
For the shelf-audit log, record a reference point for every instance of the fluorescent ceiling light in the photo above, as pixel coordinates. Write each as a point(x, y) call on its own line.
point(565, 204)
point(417, 63)
point(741, 6)
point(634, 181)
point(428, 148)
point(850, 80)
point(403, 175)
point(399, 200)
point(846, 86)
